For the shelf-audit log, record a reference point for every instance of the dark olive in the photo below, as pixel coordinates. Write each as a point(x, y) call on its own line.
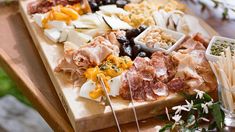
point(122, 39)
point(121, 3)
point(106, 2)
point(136, 49)
point(132, 33)
point(142, 28)
point(113, 1)
point(93, 5)
point(126, 50)
point(132, 42)
point(99, 2)
point(142, 54)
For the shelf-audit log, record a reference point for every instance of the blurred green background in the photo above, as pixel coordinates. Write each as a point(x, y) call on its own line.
point(8, 87)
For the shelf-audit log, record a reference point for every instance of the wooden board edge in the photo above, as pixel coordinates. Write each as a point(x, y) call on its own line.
point(52, 75)
point(30, 91)
point(60, 121)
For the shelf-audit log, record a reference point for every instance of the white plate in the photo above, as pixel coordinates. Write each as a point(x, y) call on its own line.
point(179, 37)
point(211, 57)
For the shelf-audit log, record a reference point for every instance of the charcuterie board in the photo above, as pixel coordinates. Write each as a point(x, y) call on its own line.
point(88, 115)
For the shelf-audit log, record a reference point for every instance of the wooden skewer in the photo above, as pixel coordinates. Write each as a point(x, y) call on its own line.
point(133, 106)
point(109, 101)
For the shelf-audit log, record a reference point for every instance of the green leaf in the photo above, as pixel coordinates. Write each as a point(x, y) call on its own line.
point(218, 116)
point(162, 117)
point(191, 120)
point(166, 127)
point(203, 130)
point(216, 3)
point(207, 97)
point(225, 14)
point(212, 125)
point(185, 95)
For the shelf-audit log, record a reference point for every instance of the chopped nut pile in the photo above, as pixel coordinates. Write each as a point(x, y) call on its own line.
point(157, 38)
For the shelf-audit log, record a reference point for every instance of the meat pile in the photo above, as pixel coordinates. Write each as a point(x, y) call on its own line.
point(193, 65)
point(43, 6)
point(150, 78)
point(184, 70)
point(77, 60)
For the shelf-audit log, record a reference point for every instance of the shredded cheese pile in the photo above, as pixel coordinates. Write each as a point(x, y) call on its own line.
point(112, 67)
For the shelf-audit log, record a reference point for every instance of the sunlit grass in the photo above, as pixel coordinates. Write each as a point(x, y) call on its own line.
point(8, 87)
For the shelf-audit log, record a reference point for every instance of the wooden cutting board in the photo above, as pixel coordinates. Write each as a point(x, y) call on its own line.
point(87, 115)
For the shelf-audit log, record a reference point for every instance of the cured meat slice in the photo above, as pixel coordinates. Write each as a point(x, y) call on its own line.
point(147, 78)
point(176, 85)
point(76, 61)
point(184, 70)
point(193, 65)
point(44, 6)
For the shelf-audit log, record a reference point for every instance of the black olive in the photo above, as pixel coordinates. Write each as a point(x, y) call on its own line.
point(122, 39)
point(106, 2)
point(126, 50)
point(99, 2)
point(121, 3)
point(142, 28)
point(132, 33)
point(113, 1)
point(132, 42)
point(142, 54)
point(135, 50)
point(93, 5)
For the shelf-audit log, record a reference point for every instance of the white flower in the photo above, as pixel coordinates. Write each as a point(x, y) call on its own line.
point(157, 128)
point(179, 108)
point(210, 103)
point(204, 119)
point(199, 93)
point(167, 113)
point(189, 106)
point(176, 118)
point(205, 108)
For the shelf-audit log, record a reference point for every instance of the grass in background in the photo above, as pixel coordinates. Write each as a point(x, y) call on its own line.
point(8, 87)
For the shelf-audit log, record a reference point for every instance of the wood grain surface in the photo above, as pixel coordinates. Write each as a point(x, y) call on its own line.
point(20, 59)
point(84, 114)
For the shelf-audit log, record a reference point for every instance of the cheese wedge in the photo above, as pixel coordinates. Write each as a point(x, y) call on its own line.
point(78, 38)
point(112, 10)
point(53, 34)
point(60, 25)
point(38, 19)
point(86, 88)
point(115, 84)
point(64, 35)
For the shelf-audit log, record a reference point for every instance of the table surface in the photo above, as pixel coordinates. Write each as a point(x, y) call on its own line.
point(20, 59)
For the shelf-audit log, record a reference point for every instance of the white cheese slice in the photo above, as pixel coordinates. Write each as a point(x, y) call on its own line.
point(64, 35)
point(90, 19)
point(115, 23)
point(82, 25)
point(53, 34)
point(115, 84)
point(78, 38)
point(112, 9)
point(60, 25)
point(38, 18)
point(86, 88)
